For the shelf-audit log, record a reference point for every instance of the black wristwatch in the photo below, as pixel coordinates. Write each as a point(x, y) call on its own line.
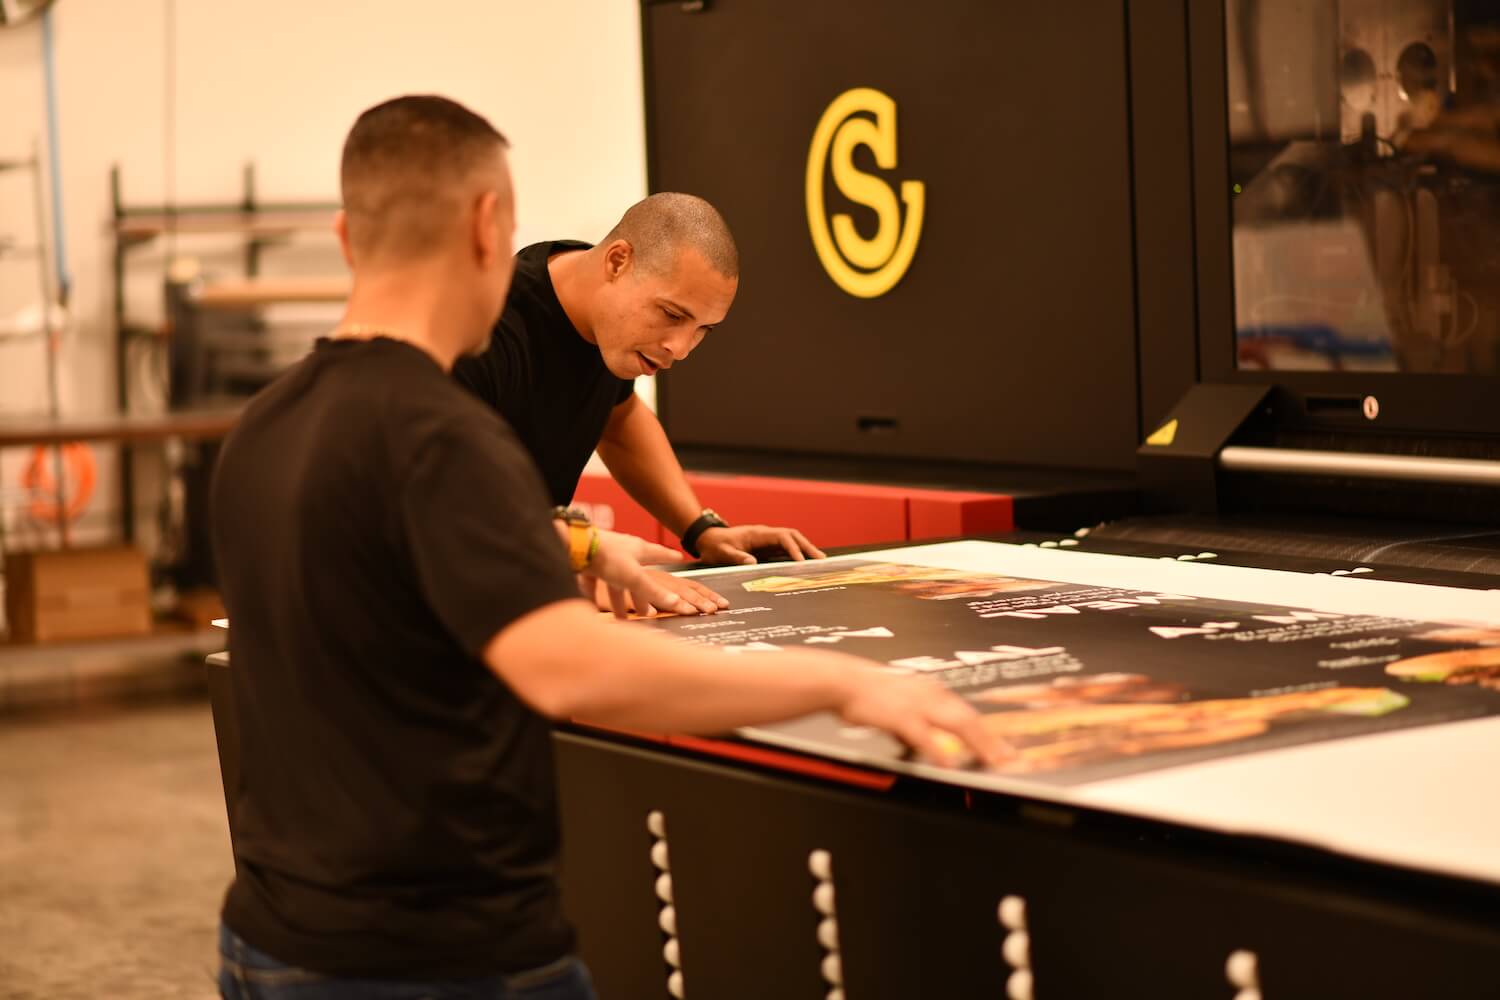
point(707, 519)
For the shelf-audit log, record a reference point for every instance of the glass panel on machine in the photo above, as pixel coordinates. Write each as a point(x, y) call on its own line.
point(1365, 170)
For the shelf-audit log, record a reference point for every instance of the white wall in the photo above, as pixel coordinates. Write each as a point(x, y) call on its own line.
point(279, 82)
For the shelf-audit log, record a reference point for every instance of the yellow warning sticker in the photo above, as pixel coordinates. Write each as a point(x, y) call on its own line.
point(1164, 436)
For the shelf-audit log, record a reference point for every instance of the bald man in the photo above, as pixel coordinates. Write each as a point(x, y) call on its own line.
point(406, 621)
point(581, 324)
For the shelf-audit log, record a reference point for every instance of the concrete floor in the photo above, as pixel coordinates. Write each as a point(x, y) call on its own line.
point(114, 852)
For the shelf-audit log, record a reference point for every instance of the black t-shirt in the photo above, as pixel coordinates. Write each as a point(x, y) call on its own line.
point(549, 384)
point(395, 814)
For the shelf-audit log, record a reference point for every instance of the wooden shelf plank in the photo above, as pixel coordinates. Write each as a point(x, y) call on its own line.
point(249, 293)
point(69, 676)
point(17, 431)
point(151, 331)
point(232, 223)
point(167, 640)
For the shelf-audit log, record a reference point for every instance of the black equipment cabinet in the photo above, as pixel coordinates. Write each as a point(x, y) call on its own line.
point(1115, 908)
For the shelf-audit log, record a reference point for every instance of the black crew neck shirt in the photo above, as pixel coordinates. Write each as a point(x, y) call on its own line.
point(395, 814)
point(549, 384)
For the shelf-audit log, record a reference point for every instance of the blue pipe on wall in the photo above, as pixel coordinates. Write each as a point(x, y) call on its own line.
point(59, 233)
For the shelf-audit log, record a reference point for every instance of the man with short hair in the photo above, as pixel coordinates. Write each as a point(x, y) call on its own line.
point(582, 322)
point(406, 621)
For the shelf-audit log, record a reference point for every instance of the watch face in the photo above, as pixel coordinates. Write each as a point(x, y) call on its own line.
point(571, 515)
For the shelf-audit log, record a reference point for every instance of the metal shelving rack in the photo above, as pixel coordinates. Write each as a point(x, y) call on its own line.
point(261, 225)
point(40, 251)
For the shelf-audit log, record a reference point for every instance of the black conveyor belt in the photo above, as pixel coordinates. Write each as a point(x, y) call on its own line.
point(1445, 547)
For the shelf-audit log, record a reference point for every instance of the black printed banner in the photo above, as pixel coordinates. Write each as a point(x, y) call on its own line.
point(1093, 682)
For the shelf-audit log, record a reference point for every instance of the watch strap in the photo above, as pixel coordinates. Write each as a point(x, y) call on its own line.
point(583, 537)
point(707, 519)
point(583, 545)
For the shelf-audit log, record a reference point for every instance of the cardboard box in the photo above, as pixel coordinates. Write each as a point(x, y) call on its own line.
point(200, 607)
point(77, 594)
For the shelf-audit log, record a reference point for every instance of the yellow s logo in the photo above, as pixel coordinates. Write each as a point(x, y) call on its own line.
point(862, 267)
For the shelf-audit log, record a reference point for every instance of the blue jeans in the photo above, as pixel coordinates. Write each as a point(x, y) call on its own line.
point(246, 973)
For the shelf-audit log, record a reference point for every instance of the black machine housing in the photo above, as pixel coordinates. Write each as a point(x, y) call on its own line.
point(1076, 276)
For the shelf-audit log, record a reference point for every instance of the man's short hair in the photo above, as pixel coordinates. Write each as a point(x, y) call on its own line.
point(403, 172)
point(660, 226)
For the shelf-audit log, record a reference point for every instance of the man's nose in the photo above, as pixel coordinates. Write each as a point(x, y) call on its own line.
point(678, 347)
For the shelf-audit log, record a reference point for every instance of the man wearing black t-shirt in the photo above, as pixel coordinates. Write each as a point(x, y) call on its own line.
point(406, 621)
point(582, 322)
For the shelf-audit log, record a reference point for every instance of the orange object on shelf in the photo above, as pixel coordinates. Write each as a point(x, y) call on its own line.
point(79, 478)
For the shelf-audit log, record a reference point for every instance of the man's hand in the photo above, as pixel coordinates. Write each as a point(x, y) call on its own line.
point(690, 590)
point(567, 663)
point(924, 715)
point(699, 596)
point(636, 548)
point(618, 566)
point(731, 546)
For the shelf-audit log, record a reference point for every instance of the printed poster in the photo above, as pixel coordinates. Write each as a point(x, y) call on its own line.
point(1091, 682)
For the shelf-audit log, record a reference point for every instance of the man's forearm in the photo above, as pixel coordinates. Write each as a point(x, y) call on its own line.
point(637, 453)
point(569, 663)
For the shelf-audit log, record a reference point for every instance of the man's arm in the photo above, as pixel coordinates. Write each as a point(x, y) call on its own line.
point(1477, 150)
point(568, 662)
point(635, 449)
point(490, 565)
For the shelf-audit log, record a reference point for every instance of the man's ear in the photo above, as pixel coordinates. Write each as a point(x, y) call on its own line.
point(341, 230)
point(619, 257)
point(487, 229)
